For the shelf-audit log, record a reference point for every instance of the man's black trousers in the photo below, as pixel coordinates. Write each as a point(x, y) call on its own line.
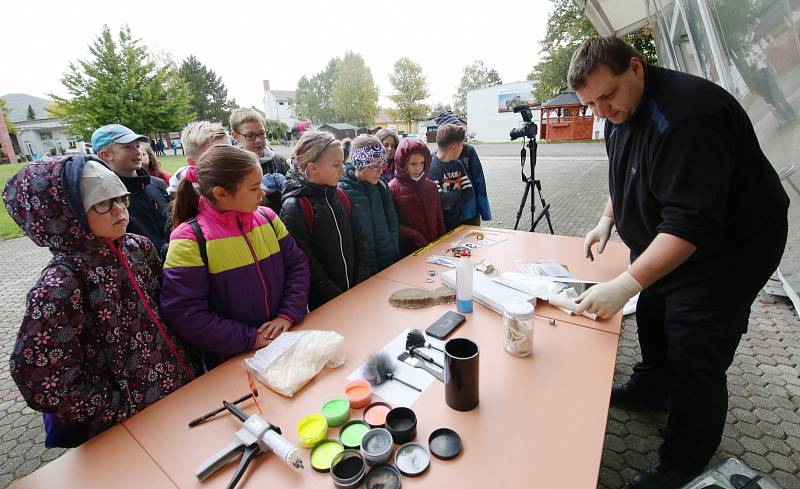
point(686, 350)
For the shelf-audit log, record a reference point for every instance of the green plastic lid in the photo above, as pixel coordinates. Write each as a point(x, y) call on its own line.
point(323, 453)
point(352, 433)
point(336, 411)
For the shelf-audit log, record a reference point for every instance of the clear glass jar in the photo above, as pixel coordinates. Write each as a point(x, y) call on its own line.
point(518, 328)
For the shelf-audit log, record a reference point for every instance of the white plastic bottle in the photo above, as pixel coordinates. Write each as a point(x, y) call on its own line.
point(464, 284)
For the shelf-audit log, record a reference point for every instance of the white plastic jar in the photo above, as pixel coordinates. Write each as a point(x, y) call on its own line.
point(518, 328)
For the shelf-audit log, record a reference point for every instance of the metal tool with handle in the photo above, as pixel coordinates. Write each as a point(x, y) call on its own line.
point(255, 437)
point(417, 363)
point(416, 352)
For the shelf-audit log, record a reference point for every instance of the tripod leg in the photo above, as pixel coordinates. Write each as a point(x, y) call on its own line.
point(522, 203)
point(545, 206)
point(545, 213)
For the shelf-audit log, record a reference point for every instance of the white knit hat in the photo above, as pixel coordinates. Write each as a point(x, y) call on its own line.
point(98, 183)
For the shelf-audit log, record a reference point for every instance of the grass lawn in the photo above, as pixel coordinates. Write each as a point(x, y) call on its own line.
point(8, 229)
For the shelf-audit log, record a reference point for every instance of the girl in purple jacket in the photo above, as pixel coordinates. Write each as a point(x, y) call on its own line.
point(233, 279)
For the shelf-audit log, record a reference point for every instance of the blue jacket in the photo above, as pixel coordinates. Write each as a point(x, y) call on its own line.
point(376, 213)
point(480, 202)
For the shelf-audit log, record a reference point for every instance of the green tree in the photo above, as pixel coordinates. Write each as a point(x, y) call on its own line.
point(313, 95)
point(738, 20)
point(354, 95)
point(276, 129)
point(475, 76)
point(438, 109)
point(410, 89)
point(5, 111)
point(209, 95)
point(567, 28)
point(31, 113)
point(122, 84)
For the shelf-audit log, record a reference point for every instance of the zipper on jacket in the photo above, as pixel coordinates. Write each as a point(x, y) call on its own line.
point(255, 262)
point(147, 308)
point(341, 245)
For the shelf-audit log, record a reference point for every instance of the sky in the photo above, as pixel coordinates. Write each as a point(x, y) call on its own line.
point(280, 41)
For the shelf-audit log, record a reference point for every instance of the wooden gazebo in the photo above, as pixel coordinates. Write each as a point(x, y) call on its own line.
point(564, 119)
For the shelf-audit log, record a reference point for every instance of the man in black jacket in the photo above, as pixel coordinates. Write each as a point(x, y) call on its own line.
point(149, 214)
point(705, 217)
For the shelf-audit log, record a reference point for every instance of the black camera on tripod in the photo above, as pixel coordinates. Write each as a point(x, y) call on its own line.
point(528, 128)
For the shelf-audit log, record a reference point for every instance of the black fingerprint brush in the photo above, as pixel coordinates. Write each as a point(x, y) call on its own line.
point(416, 339)
point(379, 369)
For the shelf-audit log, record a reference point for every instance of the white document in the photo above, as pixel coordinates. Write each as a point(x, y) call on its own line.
point(396, 393)
point(488, 292)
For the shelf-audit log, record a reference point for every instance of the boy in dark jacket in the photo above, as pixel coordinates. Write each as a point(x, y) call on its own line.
point(318, 216)
point(455, 188)
point(149, 213)
point(478, 207)
point(92, 349)
point(371, 200)
point(416, 198)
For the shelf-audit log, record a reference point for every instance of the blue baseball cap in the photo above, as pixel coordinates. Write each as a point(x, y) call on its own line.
point(114, 133)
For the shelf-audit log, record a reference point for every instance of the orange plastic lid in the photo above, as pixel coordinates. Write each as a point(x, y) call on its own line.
point(359, 393)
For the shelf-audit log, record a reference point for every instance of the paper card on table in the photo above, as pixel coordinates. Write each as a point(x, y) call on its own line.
point(394, 392)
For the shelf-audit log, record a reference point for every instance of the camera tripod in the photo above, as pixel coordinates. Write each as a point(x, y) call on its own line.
point(532, 182)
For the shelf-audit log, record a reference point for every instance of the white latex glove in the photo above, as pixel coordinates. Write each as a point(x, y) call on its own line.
point(606, 298)
point(599, 235)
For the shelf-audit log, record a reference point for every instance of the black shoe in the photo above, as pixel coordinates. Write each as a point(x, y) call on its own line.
point(659, 477)
point(633, 397)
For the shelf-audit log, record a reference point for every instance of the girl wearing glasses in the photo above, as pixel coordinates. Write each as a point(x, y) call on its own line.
point(233, 279)
point(371, 200)
point(93, 348)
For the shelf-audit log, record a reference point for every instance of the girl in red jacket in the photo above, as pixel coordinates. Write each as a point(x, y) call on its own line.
point(416, 198)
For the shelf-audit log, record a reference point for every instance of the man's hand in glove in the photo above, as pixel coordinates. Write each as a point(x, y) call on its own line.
point(606, 298)
point(599, 235)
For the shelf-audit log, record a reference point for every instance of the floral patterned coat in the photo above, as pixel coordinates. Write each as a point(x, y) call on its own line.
point(92, 349)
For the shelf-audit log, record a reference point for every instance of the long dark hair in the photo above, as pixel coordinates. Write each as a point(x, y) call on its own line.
point(154, 167)
point(221, 166)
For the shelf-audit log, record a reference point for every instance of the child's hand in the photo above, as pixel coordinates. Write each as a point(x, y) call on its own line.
point(271, 329)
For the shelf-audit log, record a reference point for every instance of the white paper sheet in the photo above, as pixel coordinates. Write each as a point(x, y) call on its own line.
point(394, 392)
point(488, 292)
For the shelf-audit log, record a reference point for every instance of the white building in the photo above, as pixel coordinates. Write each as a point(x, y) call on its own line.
point(490, 114)
point(279, 105)
point(40, 138)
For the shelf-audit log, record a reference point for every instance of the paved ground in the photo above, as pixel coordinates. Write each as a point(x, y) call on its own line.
point(763, 427)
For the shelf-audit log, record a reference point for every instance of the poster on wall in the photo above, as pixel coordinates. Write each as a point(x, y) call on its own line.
point(507, 101)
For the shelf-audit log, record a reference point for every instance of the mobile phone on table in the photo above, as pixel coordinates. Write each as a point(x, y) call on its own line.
point(445, 325)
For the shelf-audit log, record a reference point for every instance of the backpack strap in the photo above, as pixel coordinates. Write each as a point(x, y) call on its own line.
point(343, 199)
point(263, 213)
point(308, 213)
point(201, 239)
